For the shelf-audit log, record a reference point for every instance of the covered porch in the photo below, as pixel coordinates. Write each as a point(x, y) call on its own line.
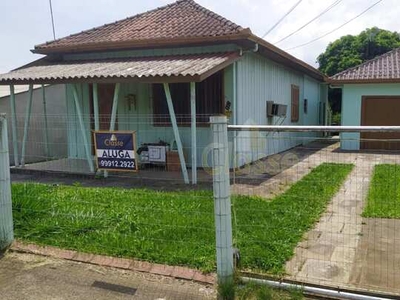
point(165, 100)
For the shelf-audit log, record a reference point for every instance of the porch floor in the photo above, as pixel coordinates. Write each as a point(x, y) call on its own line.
point(79, 169)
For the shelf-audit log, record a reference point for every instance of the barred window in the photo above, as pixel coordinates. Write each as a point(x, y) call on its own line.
point(209, 101)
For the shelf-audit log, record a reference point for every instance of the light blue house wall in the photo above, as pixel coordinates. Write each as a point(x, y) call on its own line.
point(248, 84)
point(260, 80)
point(139, 120)
point(351, 108)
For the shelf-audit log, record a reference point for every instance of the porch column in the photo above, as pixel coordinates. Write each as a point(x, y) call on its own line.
point(114, 113)
point(194, 131)
point(176, 133)
point(82, 126)
point(96, 107)
point(114, 107)
point(26, 126)
point(14, 125)
point(46, 126)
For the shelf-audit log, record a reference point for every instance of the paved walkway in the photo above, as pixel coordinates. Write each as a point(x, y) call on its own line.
point(327, 254)
point(27, 276)
point(344, 249)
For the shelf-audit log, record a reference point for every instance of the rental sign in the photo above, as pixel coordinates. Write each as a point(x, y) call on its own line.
point(115, 151)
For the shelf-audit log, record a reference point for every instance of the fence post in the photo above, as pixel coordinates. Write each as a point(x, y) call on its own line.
point(6, 220)
point(222, 200)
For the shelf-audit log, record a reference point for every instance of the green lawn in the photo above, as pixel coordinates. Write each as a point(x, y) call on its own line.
point(252, 291)
point(175, 228)
point(384, 193)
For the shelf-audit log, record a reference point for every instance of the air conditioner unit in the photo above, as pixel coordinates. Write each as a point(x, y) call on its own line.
point(278, 110)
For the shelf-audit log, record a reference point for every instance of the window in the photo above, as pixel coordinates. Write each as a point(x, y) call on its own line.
point(295, 103)
point(209, 101)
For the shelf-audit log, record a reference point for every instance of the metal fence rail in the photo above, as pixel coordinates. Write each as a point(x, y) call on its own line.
point(284, 128)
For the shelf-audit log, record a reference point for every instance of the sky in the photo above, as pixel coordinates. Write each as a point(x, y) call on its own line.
point(25, 23)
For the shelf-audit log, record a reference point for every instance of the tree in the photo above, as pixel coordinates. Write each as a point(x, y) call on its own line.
point(350, 51)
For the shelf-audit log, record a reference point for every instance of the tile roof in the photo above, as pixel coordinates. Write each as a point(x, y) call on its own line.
point(151, 69)
point(182, 19)
point(380, 69)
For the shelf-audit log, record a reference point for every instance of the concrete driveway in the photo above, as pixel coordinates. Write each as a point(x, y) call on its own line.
point(27, 276)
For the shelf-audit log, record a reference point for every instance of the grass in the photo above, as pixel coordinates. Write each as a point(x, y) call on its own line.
point(174, 228)
point(383, 199)
point(252, 291)
point(267, 232)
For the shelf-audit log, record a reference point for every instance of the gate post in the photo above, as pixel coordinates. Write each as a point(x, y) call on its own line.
point(6, 220)
point(222, 201)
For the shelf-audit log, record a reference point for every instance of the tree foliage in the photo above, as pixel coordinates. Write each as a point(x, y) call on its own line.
point(350, 51)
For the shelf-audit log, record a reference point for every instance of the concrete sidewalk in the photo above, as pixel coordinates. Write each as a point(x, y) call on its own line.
point(27, 276)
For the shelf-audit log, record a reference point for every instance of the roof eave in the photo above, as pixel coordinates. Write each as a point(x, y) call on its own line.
point(148, 43)
point(272, 51)
point(290, 60)
point(153, 79)
point(361, 81)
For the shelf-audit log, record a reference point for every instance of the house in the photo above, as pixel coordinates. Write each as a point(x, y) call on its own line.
point(371, 97)
point(164, 72)
point(44, 142)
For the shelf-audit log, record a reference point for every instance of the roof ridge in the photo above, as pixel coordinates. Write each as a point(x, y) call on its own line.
point(367, 62)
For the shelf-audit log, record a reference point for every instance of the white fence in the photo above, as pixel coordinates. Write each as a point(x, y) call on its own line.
point(6, 221)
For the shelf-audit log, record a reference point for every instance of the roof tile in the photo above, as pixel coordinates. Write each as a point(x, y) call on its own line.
point(384, 67)
point(182, 19)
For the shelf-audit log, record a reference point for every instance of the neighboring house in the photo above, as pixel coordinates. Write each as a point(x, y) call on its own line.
point(371, 97)
point(36, 149)
point(178, 52)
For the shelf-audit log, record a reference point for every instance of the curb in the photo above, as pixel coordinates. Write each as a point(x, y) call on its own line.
point(115, 262)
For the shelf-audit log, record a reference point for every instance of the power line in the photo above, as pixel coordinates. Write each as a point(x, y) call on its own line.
point(281, 19)
point(52, 19)
point(309, 22)
point(337, 28)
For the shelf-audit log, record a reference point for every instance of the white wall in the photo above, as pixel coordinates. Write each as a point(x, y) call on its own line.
point(56, 111)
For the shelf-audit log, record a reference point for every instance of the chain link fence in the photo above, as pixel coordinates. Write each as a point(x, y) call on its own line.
point(313, 206)
point(323, 212)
